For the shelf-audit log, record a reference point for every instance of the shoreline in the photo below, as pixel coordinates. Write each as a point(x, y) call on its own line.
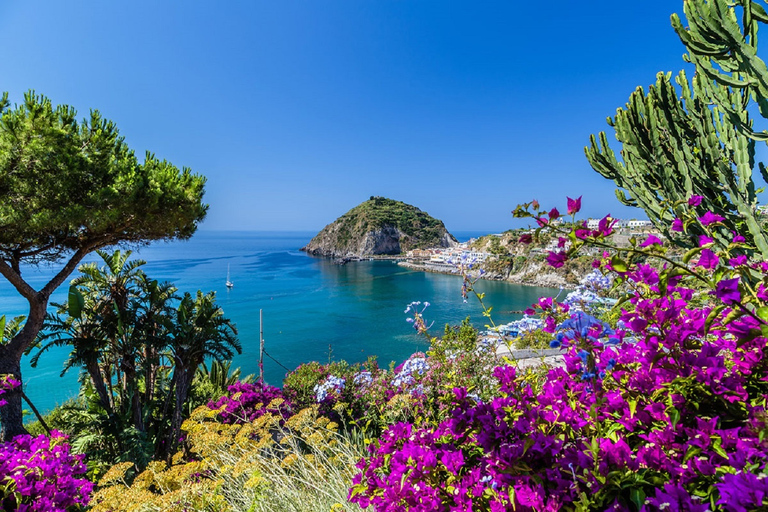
point(543, 280)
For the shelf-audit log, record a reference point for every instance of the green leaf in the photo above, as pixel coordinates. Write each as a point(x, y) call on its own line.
point(2, 329)
point(637, 496)
point(762, 313)
point(712, 316)
point(674, 417)
point(75, 302)
point(733, 315)
point(618, 264)
point(690, 254)
point(632, 407)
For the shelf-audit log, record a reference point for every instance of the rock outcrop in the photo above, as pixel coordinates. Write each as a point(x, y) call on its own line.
point(379, 226)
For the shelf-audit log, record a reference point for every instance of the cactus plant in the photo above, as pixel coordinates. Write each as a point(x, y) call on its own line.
point(675, 147)
point(699, 141)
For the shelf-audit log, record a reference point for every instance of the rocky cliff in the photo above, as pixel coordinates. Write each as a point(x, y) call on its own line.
point(379, 226)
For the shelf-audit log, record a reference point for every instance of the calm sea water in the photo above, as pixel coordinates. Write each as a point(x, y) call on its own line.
point(311, 307)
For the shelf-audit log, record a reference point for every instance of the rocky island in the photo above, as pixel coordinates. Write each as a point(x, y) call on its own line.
point(379, 226)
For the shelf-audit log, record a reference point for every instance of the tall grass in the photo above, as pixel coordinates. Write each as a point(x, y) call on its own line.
point(303, 464)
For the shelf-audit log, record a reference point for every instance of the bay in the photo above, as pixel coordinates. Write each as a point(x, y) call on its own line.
point(313, 309)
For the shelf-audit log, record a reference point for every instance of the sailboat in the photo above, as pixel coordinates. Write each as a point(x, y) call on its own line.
point(230, 284)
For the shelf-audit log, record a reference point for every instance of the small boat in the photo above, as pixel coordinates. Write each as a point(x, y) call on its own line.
point(230, 284)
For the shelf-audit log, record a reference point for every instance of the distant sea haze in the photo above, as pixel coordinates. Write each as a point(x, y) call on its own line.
point(313, 309)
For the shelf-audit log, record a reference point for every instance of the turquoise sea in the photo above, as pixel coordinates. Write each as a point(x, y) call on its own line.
point(312, 308)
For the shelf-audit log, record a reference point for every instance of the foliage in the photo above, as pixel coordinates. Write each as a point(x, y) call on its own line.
point(139, 347)
point(699, 140)
point(371, 398)
point(533, 339)
point(247, 401)
point(673, 148)
point(421, 229)
point(39, 474)
point(270, 464)
point(66, 184)
point(68, 188)
point(212, 383)
point(665, 410)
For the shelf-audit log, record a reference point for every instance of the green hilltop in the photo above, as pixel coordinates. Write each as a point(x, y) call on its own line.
point(380, 226)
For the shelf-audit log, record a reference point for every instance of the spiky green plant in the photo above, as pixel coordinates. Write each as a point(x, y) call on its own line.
point(698, 139)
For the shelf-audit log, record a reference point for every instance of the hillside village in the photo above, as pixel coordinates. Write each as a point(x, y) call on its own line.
point(489, 251)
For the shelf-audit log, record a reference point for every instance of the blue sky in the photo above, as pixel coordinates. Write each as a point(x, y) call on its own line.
point(297, 111)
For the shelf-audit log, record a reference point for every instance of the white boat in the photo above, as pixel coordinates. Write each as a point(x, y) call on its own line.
point(230, 284)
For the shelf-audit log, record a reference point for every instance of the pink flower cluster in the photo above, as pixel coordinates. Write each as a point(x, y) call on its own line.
point(39, 474)
point(666, 411)
point(248, 401)
point(7, 382)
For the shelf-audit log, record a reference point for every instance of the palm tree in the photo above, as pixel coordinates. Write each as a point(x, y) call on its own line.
point(154, 314)
point(82, 329)
point(111, 288)
point(200, 332)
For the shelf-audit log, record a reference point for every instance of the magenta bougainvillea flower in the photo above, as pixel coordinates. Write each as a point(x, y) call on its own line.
point(574, 205)
point(674, 392)
point(677, 225)
point(605, 226)
point(556, 259)
point(247, 401)
point(710, 218)
point(727, 290)
point(40, 474)
point(651, 240)
point(708, 259)
point(694, 200)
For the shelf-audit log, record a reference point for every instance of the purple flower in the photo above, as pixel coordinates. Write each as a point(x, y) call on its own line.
point(710, 218)
point(738, 261)
point(708, 259)
point(674, 498)
point(762, 293)
point(743, 491)
point(677, 225)
point(545, 303)
point(605, 226)
point(705, 240)
point(556, 259)
point(694, 200)
point(248, 401)
point(574, 205)
point(737, 238)
point(727, 290)
point(651, 240)
point(553, 214)
point(40, 474)
point(526, 238)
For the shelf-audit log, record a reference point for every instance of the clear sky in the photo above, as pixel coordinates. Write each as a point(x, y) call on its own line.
point(296, 111)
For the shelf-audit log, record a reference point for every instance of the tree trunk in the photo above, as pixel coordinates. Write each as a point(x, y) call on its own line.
point(161, 446)
point(97, 379)
point(183, 384)
point(11, 417)
point(11, 413)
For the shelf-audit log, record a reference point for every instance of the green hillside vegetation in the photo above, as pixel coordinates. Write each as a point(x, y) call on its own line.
point(379, 226)
point(379, 212)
